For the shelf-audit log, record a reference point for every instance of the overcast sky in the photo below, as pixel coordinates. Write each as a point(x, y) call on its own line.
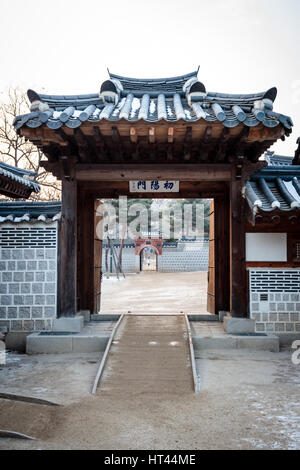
point(242, 46)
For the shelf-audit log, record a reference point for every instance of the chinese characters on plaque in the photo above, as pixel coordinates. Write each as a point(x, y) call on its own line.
point(154, 186)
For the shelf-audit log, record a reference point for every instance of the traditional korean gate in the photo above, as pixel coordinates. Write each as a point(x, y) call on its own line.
point(211, 300)
point(148, 259)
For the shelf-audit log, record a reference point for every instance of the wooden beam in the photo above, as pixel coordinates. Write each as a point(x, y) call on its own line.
point(129, 172)
point(187, 148)
point(171, 135)
point(118, 145)
point(83, 146)
point(152, 135)
point(133, 135)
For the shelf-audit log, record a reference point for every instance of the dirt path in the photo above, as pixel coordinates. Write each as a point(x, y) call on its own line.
point(149, 356)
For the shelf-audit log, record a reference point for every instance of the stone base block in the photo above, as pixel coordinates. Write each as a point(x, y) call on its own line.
point(69, 324)
point(238, 325)
point(16, 341)
point(255, 343)
point(86, 314)
point(37, 344)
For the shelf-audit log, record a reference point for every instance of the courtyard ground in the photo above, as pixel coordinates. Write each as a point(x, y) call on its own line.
point(248, 400)
point(154, 292)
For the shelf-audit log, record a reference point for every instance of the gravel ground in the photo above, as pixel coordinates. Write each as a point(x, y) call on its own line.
point(248, 400)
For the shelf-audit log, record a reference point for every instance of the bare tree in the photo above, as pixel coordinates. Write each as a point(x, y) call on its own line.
point(16, 151)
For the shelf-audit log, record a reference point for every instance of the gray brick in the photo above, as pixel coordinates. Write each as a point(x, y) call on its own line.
point(24, 312)
point(19, 299)
point(28, 299)
point(11, 266)
point(254, 297)
point(295, 316)
point(28, 325)
point(18, 277)
point(283, 317)
point(298, 307)
point(6, 300)
point(260, 327)
point(265, 317)
point(39, 325)
point(4, 324)
point(29, 253)
point(290, 327)
point(5, 254)
point(286, 297)
point(37, 288)
point(280, 307)
point(43, 265)
point(278, 297)
point(16, 325)
point(40, 276)
point(297, 326)
point(50, 276)
point(14, 288)
point(29, 277)
point(270, 327)
point(40, 253)
point(50, 312)
point(17, 254)
point(279, 327)
point(52, 265)
point(295, 297)
point(50, 299)
point(21, 265)
point(273, 317)
point(37, 312)
point(255, 307)
point(272, 307)
point(39, 300)
point(291, 307)
point(31, 265)
point(3, 288)
point(3, 312)
point(12, 312)
point(6, 277)
point(2, 266)
point(25, 288)
point(50, 288)
point(50, 253)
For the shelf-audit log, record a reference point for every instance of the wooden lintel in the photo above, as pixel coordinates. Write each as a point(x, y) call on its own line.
point(96, 172)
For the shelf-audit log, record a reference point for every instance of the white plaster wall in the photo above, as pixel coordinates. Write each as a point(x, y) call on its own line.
point(266, 247)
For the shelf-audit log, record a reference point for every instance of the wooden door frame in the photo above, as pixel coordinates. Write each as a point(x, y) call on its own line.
point(223, 188)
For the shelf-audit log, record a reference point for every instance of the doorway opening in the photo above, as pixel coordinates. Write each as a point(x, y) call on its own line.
point(158, 273)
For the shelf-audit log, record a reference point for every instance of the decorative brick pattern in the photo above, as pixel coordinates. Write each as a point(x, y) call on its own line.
point(28, 276)
point(275, 300)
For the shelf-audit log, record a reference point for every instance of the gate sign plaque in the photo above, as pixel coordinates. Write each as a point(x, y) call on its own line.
point(154, 186)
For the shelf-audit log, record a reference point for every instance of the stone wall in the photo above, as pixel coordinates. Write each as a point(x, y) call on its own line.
point(275, 300)
point(171, 260)
point(28, 276)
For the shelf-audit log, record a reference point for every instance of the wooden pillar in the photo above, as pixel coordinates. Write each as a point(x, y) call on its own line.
point(97, 258)
point(238, 274)
point(67, 260)
point(222, 269)
point(86, 251)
